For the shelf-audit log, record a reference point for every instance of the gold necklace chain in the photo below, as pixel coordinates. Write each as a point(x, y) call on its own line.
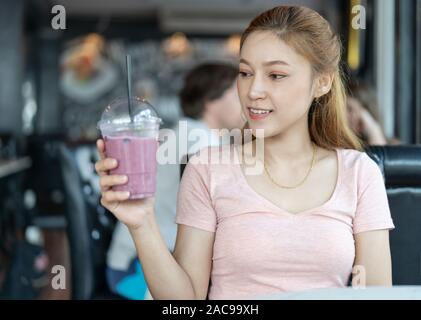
point(305, 178)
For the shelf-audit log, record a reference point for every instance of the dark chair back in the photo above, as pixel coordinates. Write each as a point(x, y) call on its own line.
point(89, 225)
point(401, 168)
point(78, 229)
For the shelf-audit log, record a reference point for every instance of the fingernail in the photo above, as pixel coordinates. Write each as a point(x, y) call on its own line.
point(124, 178)
point(113, 162)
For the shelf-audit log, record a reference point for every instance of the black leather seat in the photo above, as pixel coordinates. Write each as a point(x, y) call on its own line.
point(89, 225)
point(401, 168)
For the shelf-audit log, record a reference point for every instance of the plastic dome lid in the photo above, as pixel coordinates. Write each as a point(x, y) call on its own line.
point(116, 115)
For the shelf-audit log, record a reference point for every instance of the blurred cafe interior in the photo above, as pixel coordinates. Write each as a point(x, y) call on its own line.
point(57, 76)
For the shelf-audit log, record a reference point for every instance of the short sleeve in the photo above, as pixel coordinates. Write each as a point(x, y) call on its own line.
point(373, 212)
point(194, 204)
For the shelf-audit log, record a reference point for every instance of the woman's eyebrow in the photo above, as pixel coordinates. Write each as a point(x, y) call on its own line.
point(268, 63)
point(271, 63)
point(245, 61)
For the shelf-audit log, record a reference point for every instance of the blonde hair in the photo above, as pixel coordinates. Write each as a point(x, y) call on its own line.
point(311, 36)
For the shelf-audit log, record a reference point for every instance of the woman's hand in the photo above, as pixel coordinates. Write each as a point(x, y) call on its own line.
point(130, 212)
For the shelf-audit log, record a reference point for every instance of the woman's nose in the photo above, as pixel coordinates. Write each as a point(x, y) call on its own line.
point(256, 90)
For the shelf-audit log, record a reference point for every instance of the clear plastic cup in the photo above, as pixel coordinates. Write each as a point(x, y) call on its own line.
point(133, 143)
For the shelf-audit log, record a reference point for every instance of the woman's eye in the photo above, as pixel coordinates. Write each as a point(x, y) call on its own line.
point(276, 76)
point(244, 74)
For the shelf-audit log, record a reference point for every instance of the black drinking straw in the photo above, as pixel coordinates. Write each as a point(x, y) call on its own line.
point(129, 85)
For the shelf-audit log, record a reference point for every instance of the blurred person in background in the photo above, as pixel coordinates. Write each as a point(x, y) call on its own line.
point(363, 114)
point(209, 100)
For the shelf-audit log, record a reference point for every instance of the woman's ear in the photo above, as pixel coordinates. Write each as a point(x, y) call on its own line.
point(323, 84)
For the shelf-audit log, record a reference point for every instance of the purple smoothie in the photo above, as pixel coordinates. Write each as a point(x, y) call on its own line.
point(136, 158)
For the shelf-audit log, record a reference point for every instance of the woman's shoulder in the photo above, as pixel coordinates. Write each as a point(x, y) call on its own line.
point(358, 162)
point(215, 155)
point(213, 165)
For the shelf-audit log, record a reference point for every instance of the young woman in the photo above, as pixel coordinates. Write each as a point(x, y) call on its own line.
point(318, 209)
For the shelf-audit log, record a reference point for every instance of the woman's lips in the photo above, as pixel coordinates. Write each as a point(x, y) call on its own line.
point(258, 114)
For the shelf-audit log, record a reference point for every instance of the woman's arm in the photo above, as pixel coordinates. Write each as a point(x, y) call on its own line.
point(372, 253)
point(183, 275)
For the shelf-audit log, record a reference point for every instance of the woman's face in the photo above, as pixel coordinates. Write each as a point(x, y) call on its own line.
point(274, 84)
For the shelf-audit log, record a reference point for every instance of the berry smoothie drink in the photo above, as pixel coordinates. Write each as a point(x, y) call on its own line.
point(136, 158)
point(133, 141)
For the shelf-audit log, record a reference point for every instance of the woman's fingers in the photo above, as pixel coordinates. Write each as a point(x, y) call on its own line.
point(115, 196)
point(102, 166)
point(109, 199)
point(101, 148)
point(112, 199)
point(107, 181)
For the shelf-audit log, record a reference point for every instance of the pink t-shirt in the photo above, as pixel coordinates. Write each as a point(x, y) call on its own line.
point(259, 248)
